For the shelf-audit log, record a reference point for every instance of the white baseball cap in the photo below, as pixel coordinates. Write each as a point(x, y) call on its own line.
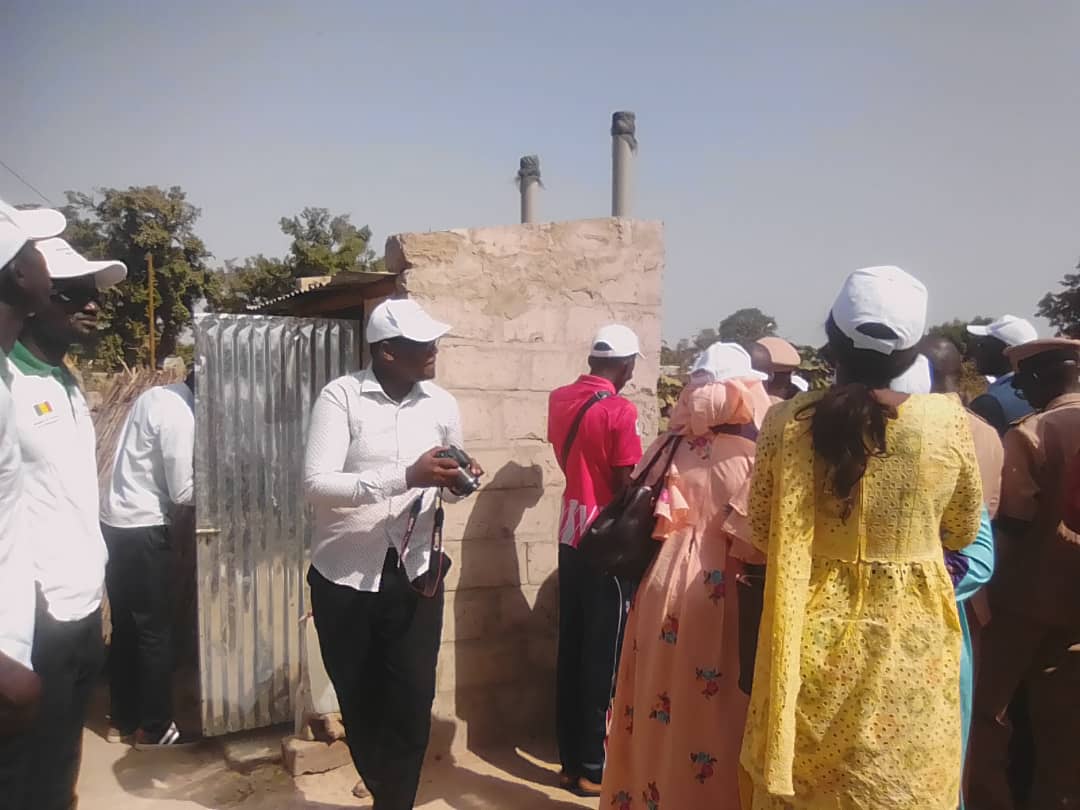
point(19, 227)
point(725, 361)
point(918, 379)
point(403, 317)
point(885, 296)
point(1009, 329)
point(615, 341)
point(66, 262)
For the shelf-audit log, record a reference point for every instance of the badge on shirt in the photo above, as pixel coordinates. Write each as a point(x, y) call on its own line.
point(45, 414)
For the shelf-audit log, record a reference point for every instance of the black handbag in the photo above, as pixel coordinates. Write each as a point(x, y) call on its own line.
point(750, 587)
point(620, 541)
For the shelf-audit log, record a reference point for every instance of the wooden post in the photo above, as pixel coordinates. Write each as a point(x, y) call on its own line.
point(150, 308)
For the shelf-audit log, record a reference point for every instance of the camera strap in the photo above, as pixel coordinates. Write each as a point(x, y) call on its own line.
point(436, 531)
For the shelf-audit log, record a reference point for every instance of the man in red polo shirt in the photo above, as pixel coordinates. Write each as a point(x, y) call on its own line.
point(594, 432)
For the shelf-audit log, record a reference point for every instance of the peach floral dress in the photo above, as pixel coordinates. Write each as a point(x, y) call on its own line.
point(678, 714)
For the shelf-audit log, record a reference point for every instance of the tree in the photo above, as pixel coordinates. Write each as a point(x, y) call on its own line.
point(1062, 309)
point(744, 326)
point(127, 224)
point(254, 281)
point(325, 246)
point(322, 245)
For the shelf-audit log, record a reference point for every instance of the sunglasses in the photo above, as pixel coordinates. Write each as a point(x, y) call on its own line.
point(416, 347)
point(77, 297)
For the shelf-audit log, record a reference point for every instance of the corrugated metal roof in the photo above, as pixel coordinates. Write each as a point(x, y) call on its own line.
point(359, 279)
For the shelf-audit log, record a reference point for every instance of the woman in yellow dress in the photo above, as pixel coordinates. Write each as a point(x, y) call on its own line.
point(856, 699)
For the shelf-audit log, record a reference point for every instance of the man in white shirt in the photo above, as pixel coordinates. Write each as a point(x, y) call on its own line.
point(24, 285)
point(372, 469)
point(60, 503)
point(153, 477)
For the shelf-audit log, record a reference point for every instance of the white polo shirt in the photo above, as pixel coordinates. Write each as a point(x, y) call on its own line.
point(60, 488)
point(17, 600)
point(153, 468)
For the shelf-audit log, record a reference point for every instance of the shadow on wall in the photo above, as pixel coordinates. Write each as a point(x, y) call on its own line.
point(504, 627)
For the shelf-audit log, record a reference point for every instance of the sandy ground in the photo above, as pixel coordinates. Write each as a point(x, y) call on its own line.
point(116, 777)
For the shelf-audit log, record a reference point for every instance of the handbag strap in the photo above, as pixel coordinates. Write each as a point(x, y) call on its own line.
point(673, 441)
point(576, 425)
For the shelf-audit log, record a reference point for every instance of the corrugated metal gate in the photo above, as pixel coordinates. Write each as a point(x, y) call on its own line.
point(257, 379)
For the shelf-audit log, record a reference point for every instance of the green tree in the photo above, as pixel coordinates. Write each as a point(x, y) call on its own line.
point(744, 326)
point(1062, 309)
point(253, 281)
point(127, 224)
point(325, 245)
point(322, 245)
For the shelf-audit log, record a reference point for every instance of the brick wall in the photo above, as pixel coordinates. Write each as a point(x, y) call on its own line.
point(525, 301)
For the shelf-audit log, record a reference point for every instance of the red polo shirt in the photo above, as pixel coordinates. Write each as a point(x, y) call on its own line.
point(607, 439)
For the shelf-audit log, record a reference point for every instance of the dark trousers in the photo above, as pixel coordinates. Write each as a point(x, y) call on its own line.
point(1046, 660)
point(39, 768)
point(139, 581)
point(592, 616)
point(380, 651)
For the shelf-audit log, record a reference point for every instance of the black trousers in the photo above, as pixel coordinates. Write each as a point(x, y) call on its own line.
point(380, 651)
point(139, 581)
point(592, 616)
point(39, 768)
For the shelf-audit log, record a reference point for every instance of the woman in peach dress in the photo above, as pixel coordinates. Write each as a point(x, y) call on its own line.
point(678, 714)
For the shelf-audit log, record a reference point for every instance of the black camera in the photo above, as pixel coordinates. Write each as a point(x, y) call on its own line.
point(467, 483)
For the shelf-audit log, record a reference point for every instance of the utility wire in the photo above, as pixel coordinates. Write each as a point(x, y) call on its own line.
point(27, 183)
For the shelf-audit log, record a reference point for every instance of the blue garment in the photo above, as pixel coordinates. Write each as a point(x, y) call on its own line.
point(971, 568)
point(1011, 403)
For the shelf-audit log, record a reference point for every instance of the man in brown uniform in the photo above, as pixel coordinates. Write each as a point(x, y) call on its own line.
point(1034, 634)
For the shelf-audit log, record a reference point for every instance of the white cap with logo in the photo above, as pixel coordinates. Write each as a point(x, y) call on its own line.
point(615, 341)
point(65, 263)
point(404, 318)
point(881, 296)
point(725, 361)
point(1009, 329)
point(17, 227)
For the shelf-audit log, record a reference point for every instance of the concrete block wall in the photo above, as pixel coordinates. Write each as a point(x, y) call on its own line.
point(525, 301)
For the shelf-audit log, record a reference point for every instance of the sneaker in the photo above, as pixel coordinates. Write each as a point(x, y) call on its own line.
point(115, 735)
point(171, 737)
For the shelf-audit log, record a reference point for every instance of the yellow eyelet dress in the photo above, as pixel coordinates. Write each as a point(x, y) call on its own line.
point(856, 699)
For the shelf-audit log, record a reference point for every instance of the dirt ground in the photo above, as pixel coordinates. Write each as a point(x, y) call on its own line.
point(116, 777)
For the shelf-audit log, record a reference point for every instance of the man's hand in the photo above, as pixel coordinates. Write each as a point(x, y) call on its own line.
point(432, 471)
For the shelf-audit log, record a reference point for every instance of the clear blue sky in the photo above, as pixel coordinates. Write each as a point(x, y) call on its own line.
point(783, 143)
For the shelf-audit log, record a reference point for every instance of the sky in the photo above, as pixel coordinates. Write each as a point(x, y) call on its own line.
point(783, 144)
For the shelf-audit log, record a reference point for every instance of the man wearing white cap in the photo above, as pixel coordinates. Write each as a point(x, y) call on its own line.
point(60, 499)
point(152, 485)
point(595, 436)
point(374, 472)
point(24, 285)
point(1000, 405)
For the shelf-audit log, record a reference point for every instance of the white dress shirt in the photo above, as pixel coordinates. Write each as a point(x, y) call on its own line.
point(17, 600)
point(154, 464)
point(360, 443)
point(60, 487)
